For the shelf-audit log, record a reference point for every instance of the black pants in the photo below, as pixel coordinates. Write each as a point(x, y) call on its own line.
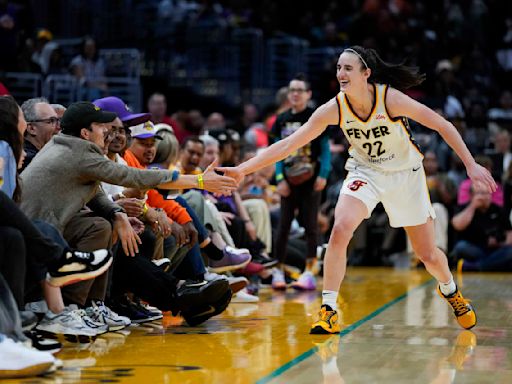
point(144, 279)
point(307, 201)
point(22, 244)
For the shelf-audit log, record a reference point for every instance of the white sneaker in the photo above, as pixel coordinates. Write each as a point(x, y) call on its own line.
point(17, 360)
point(244, 297)
point(98, 326)
point(102, 314)
point(68, 323)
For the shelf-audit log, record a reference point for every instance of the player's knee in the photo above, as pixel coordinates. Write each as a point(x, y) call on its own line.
point(427, 254)
point(342, 231)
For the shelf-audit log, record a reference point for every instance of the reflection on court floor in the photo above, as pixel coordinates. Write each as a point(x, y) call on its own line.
point(395, 329)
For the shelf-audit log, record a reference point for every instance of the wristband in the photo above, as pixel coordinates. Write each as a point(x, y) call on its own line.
point(145, 210)
point(200, 181)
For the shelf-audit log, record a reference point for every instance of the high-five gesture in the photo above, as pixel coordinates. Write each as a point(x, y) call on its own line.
point(213, 182)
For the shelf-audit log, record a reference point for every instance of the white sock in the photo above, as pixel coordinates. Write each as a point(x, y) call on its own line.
point(448, 288)
point(329, 298)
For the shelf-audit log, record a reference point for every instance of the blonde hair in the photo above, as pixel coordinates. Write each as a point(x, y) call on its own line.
point(167, 149)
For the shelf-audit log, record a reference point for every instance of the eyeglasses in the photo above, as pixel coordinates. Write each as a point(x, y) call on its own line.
point(117, 131)
point(298, 90)
point(50, 120)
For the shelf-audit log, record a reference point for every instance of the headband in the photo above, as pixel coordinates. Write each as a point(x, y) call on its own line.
point(358, 55)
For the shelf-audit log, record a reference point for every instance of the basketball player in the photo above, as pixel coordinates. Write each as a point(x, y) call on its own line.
point(385, 166)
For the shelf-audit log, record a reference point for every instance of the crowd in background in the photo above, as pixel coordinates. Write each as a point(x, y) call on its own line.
point(187, 245)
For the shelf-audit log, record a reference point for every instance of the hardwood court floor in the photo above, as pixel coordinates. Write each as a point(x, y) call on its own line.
point(395, 330)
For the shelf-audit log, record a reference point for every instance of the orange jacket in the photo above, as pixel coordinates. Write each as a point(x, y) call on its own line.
point(155, 200)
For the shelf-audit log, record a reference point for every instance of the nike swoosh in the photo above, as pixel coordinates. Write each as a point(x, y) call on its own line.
point(198, 284)
point(415, 169)
point(207, 312)
point(351, 121)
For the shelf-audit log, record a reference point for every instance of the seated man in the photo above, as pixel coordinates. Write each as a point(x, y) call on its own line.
point(485, 235)
point(42, 124)
point(66, 175)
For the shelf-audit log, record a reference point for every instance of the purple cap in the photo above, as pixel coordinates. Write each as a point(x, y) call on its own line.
point(115, 104)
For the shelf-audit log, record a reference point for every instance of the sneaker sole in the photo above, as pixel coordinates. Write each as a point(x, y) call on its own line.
point(113, 328)
point(321, 331)
point(33, 370)
point(81, 339)
point(229, 268)
point(62, 281)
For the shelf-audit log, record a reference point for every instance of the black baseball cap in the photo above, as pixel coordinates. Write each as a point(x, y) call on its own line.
point(81, 115)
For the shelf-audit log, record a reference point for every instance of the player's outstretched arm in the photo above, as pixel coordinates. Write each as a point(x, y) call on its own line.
point(399, 104)
point(325, 115)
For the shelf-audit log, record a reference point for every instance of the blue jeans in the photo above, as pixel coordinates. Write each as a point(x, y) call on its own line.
point(484, 259)
point(192, 265)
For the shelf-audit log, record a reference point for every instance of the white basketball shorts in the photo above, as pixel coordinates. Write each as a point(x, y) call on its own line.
point(404, 194)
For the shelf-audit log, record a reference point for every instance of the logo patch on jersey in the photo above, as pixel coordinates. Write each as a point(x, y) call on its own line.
point(356, 184)
point(380, 116)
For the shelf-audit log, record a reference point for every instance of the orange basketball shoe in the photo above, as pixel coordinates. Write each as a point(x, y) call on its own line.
point(463, 310)
point(328, 322)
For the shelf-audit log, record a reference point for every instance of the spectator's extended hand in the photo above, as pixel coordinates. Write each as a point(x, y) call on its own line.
point(481, 177)
point(124, 232)
point(216, 183)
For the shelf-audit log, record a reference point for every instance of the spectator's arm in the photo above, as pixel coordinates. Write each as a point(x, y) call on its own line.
point(463, 219)
point(103, 206)
point(96, 167)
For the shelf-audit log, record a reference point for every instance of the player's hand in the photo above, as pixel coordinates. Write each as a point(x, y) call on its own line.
point(481, 178)
point(213, 182)
point(233, 172)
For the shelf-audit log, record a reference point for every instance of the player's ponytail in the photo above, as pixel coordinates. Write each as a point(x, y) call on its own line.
point(399, 76)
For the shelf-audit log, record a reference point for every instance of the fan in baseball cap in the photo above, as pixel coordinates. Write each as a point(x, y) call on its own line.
point(81, 115)
point(144, 131)
point(115, 104)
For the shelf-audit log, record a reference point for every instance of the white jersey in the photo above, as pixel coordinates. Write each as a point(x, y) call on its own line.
point(379, 142)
